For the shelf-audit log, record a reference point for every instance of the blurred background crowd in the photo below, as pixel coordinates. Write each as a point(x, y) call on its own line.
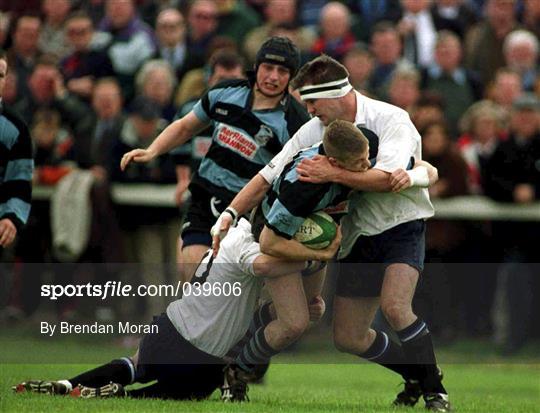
point(96, 78)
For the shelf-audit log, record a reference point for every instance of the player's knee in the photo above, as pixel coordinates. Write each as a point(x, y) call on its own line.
point(395, 312)
point(345, 342)
point(294, 328)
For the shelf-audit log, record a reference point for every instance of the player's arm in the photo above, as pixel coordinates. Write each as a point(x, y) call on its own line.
point(423, 175)
point(269, 266)
point(278, 246)
point(396, 147)
point(320, 170)
point(176, 134)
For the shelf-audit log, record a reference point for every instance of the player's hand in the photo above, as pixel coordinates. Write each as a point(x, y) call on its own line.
point(220, 229)
point(137, 155)
point(400, 180)
point(180, 192)
point(330, 252)
point(8, 231)
point(316, 308)
point(524, 193)
point(317, 170)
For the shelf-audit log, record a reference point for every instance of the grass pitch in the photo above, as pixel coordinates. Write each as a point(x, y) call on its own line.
point(486, 384)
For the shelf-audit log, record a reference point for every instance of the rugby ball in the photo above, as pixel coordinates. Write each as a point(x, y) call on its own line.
point(317, 231)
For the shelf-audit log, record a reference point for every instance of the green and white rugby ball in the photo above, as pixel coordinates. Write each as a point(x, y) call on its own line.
point(317, 231)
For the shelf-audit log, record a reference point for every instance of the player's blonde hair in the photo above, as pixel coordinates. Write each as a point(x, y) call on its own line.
point(343, 140)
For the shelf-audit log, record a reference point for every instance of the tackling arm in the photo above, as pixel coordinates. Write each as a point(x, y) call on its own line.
point(277, 246)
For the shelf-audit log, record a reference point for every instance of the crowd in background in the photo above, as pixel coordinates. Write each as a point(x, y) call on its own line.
point(96, 78)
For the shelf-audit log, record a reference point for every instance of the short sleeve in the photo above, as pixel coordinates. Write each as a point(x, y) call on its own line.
point(397, 147)
point(247, 256)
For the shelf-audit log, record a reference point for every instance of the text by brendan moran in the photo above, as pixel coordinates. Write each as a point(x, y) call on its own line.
point(64, 327)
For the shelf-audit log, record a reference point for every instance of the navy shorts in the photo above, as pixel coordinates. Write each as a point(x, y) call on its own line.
point(176, 363)
point(361, 273)
point(202, 214)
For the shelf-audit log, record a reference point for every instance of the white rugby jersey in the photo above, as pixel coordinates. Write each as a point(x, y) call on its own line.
point(215, 322)
point(370, 213)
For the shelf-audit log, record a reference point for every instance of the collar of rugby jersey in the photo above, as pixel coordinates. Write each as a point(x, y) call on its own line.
point(360, 118)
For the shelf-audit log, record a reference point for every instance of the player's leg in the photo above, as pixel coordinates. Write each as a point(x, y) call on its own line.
point(191, 258)
point(353, 334)
point(396, 303)
point(403, 249)
point(291, 320)
point(357, 299)
point(313, 280)
point(97, 381)
point(195, 235)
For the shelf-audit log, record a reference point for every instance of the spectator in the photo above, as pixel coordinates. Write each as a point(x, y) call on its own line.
point(5, 21)
point(514, 176)
point(530, 16)
point(335, 38)
point(172, 43)
point(139, 130)
point(95, 9)
point(53, 147)
point(484, 42)
point(368, 13)
point(47, 90)
point(429, 109)
point(513, 173)
point(278, 13)
point(149, 9)
point(236, 19)
point(52, 39)
point(149, 235)
point(445, 240)
point(521, 54)
point(386, 47)
point(456, 16)
point(506, 88)
point(417, 29)
point(24, 52)
point(360, 64)
point(107, 106)
point(88, 62)
point(439, 150)
point(404, 90)
point(17, 9)
point(448, 78)
point(156, 81)
point(483, 126)
point(309, 12)
point(132, 41)
point(202, 26)
point(194, 82)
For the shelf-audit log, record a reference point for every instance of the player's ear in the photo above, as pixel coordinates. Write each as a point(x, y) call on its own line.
point(333, 161)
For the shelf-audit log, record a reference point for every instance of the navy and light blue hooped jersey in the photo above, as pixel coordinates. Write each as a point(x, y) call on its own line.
point(244, 140)
point(291, 201)
point(16, 166)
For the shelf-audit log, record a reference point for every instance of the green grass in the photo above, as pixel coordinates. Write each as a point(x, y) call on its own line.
point(486, 383)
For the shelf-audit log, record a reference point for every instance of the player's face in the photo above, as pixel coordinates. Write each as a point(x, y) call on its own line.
point(358, 163)
point(327, 110)
point(272, 80)
point(3, 75)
